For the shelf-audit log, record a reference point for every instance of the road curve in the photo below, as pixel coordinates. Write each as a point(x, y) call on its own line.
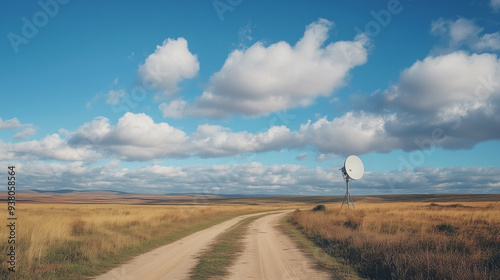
point(269, 254)
point(173, 261)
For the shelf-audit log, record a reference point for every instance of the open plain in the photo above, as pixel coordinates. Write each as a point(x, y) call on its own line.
point(384, 237)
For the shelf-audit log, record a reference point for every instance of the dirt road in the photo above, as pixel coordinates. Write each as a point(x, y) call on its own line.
point(269, 254)
point(173, 261)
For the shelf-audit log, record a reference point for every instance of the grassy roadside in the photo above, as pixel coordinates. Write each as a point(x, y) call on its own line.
point(322, 259)
point(214, 262)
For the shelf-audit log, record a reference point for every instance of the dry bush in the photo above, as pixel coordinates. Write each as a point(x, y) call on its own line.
point(411, 240)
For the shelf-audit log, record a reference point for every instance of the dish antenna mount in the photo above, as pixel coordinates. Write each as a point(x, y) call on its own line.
point(353, 170)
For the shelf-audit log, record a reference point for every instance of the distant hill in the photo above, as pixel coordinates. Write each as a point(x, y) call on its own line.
point(118, 197)
point(71, 191)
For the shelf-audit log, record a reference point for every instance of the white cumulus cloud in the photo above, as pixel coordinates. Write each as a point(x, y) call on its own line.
point(26, 133)
point(262, 79)
point(464, 32)
point(489, 42)
point(10, 124)
point(353, 133)
point(175, 109)
point(216, 141)
point(456, 93)
point(135, 137)
point(171, 63)
point(27, 129)
point(441, 81)
point(52, 147)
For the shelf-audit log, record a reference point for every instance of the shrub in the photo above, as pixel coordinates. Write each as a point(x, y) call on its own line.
point(320, 207)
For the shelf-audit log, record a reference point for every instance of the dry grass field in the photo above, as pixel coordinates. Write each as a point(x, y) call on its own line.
point(71, 241)
point(445, 237)
point(410, 240)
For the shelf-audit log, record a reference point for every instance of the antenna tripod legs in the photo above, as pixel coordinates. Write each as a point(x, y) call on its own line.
point(347, 197)
point(353, 170)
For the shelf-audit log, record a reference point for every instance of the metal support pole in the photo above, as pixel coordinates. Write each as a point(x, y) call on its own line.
point(347, 197)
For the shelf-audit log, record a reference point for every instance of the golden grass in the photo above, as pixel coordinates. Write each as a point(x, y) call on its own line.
point(411, 240)
point(54, 240)
point(335, 267)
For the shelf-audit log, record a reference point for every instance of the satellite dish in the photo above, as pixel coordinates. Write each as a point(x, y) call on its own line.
point(353, 170)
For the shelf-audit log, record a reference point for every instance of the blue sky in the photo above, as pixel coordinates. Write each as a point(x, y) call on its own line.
point(253, 97)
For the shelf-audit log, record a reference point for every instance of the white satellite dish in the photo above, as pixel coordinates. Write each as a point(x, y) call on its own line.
point(353, 170)
point(354, 167)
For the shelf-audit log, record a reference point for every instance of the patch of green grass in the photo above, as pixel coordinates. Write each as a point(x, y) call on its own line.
point(216, 261)
point(322, 259)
